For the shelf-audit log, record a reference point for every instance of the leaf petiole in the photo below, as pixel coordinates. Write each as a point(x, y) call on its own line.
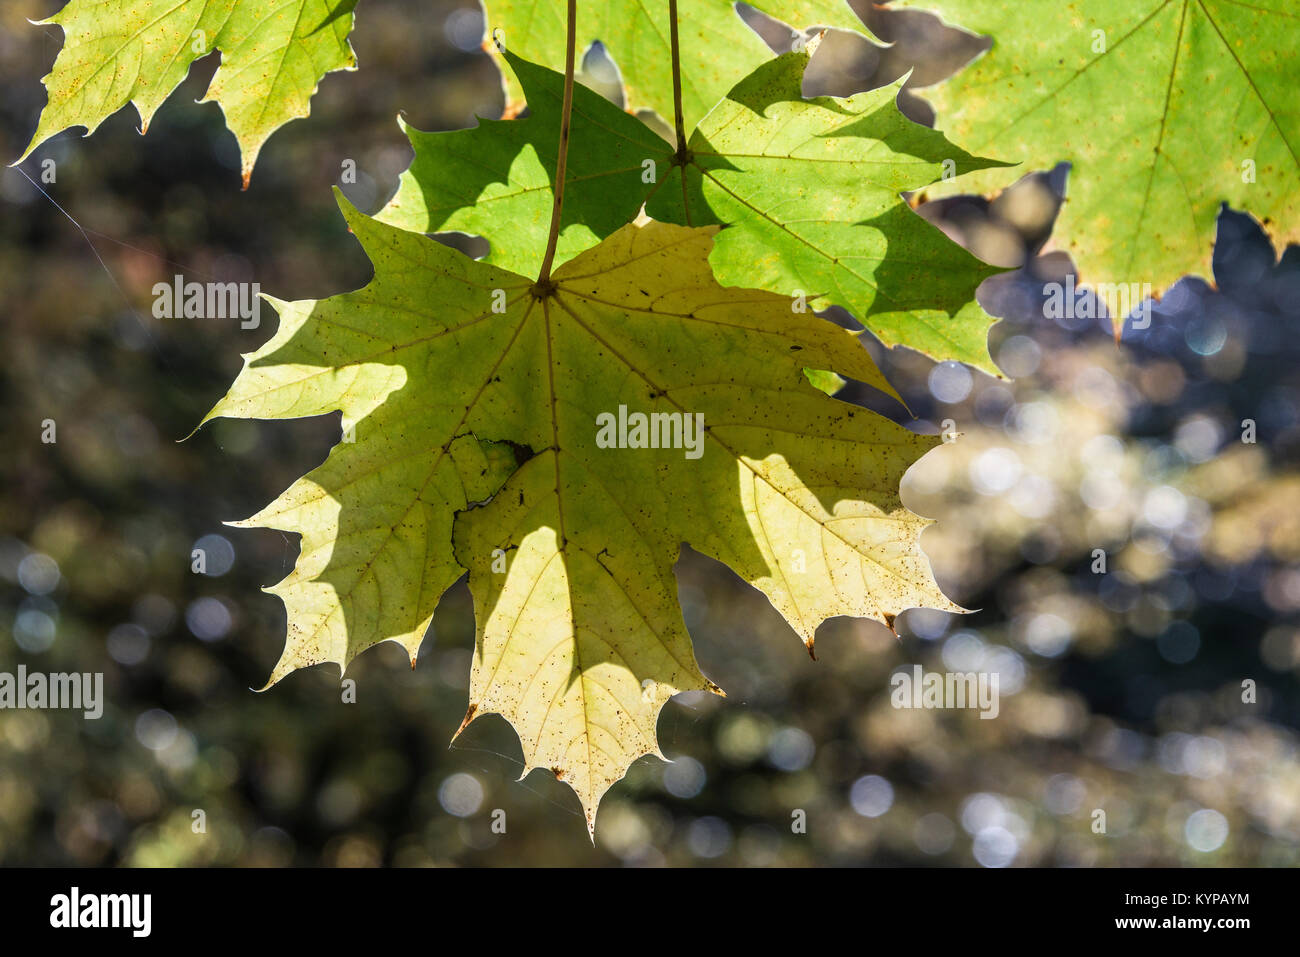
point(544, 287)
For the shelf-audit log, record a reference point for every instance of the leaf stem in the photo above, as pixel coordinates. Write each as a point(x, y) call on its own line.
point(679, 120)
point(544, 286)
point(682, 157)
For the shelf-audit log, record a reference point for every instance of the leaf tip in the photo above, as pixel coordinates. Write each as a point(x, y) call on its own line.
point(269, 681)
point(469, 716)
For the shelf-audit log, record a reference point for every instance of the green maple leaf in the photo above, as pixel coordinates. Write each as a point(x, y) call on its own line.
point(273, 55)
point(496, 178)
point(1126, 91)
point(809, 188)
point(478, 404)
point(716, 45)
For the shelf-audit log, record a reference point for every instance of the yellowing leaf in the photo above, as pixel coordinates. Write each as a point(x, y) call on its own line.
point(581, 642)
point(273, 54)
point(496, 429)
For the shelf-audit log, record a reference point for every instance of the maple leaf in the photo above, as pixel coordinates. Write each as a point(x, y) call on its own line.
point(273, 55)
point(716, 45)
point(496, 178)
point(496, 430)
point(809, 188)
point(1123, 90)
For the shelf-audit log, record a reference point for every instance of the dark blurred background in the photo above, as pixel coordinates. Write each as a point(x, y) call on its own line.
point(1120, 692)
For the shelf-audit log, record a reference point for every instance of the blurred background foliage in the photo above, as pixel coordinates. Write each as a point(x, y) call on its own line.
point(1120, 691)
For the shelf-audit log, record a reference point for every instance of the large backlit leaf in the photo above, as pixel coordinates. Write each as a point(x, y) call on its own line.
point(458, 376)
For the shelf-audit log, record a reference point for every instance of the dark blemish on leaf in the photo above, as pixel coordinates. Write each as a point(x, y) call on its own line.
point(522, 453)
